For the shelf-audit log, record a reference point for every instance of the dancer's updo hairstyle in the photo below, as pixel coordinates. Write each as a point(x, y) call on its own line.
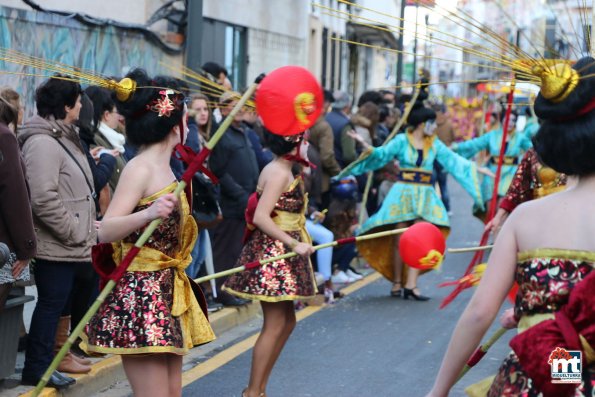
point(566, 138)
point(281, 145)
point(419, 112)
point(144, 123)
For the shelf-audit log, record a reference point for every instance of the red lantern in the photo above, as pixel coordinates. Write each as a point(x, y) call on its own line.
point(422, 246)
point(289, 100)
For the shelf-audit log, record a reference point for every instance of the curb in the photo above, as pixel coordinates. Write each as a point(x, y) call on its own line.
point(108, 371)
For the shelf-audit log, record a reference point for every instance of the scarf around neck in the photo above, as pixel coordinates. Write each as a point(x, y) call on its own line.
point(116, 139)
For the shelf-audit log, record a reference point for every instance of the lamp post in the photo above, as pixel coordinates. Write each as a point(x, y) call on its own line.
point(414, 71)
point(400, 48)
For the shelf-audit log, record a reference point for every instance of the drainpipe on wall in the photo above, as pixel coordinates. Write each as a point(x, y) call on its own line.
point(194, 35)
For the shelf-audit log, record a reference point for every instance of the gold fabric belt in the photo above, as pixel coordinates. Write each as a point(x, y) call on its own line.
point(184, 304)
point(507, 160)
point(291, 222)
point(412, 175)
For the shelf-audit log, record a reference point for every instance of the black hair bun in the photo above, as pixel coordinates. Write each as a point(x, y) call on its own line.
point(577, 99)
point(566, 141)
point(144, 125)
point(277, 143)
point(420, 113)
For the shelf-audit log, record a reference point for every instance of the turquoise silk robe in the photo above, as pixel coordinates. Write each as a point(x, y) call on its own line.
point(531, 127)
point(407, 201)
point(518, 144)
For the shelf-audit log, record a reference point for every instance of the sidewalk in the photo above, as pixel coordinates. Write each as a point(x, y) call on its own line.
point(108, 370)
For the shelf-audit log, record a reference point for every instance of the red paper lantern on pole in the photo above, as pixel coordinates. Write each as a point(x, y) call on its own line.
point(289, 100)
point(422, 246)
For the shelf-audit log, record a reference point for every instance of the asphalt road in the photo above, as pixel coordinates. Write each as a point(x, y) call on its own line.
point(369, 344)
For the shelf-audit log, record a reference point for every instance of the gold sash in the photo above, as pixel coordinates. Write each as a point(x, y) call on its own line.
point(291, 222)
point(195, 326)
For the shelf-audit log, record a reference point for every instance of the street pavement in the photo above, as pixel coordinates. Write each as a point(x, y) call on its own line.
point(370, 344)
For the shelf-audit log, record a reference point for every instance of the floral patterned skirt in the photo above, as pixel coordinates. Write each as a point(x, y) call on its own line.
point(136, 317)
point(287, 279)
point(512, 381)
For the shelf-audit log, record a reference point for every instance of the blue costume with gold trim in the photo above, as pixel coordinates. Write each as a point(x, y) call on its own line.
point(413, 196)
point(515, 147)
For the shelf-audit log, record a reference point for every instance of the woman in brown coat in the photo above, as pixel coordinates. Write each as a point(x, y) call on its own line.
point(62, 199)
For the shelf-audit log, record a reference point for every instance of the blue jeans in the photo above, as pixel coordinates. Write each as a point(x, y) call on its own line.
point(54, 282)
point(440, 176)
point(321, 235)
point(198, 254)
point(343, 255)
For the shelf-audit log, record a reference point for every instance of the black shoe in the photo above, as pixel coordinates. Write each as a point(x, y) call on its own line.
point(213, 306)
point(397, 293)
point(230, 300)
point(411, 293)
point(57, 380)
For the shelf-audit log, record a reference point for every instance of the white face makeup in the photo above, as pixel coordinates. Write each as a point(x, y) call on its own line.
point(430, 127)
point(303, 149)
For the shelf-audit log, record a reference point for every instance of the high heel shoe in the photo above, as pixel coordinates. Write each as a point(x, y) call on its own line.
point(411, 293)
point(396, 293)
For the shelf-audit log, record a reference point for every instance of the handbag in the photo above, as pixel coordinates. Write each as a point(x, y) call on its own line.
point(205, 201)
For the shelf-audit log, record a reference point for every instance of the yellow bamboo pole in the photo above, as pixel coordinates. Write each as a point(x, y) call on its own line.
point(481, 351)
point(292, 254)
point(470, 249)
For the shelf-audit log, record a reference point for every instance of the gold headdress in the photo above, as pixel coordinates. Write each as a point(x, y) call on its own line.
point(124, 89)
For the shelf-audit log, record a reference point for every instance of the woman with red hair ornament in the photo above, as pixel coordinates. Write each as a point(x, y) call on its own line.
point(288, 101)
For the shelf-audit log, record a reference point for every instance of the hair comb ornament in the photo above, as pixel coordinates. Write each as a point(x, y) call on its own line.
point(163, 106)
point(557, 81)
point(123, 89)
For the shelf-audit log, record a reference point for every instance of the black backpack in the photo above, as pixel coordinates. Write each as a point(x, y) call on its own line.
point(205, 201)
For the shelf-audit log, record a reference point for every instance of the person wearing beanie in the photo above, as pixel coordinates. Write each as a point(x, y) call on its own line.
point(413, 197)
point(547, 247)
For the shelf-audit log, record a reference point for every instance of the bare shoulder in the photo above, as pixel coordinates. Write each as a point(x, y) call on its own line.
point(136, 174)
point(274, 175)
point(136, 168)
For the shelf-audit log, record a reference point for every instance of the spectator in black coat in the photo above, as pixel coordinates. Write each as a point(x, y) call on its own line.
point(233, 161)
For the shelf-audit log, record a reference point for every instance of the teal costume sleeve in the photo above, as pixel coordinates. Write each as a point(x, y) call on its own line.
point(531, 128)
point(376, 158)
point(463, 170)
point(473, 146)
point(525, 142)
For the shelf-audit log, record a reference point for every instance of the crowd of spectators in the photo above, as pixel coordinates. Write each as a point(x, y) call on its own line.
point(74, 149)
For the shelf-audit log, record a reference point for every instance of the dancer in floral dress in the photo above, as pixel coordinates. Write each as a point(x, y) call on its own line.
point(546, 245)
point(152, 316)
point(278, 227)
point(532, 180)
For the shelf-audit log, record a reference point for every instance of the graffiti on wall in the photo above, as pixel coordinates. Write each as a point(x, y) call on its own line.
point(106, 50)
